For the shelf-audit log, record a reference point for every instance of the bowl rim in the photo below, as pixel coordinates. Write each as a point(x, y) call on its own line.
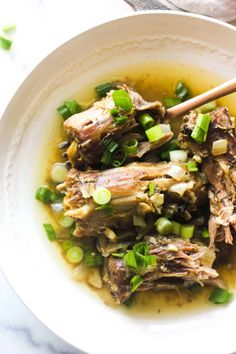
point(169, 13)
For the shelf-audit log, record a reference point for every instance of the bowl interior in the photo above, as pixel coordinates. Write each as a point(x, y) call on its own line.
point(33, 266)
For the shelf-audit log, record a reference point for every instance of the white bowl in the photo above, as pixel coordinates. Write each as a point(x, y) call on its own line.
point(32, 265)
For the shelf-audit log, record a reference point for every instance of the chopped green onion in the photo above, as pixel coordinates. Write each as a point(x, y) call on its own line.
point(43, 194)
point(220, 296)
point(72, 229)
point(93, 259)
point(50, 232)
point(182, 91)
point(141, 248)
point(56, 197)
point(112, 146)
point(64, 111)
point(75, 254)
point(5, 43)
point(171, 102)
point(152, 187)
point(198, 134)
point(164, 226)
point(107, 208)
point(106, 157)
point(65, 221)
point(118, 158)
point(155, 133)
point(66, 245)
point(68, 109)
point(187, 231)
point(208, 107)
point(115, 112)
point(146, 121)
point(9, 28)
point(205, 233)
point(200, 130)
point(176, 228)
point(120, 120)
point(118, 255)
point(192, 166)
point(103, 89)
point(73, 107)
point(101, 196)
point(122, 100)
point(178, 156)
point(219, 147)
point(130, 146)
point(170, 146)
point(135, 282)
point(151, 260)
point(130, 259)
point(58, 172)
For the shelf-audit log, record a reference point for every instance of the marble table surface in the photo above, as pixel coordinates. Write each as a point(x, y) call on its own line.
point(42, 25)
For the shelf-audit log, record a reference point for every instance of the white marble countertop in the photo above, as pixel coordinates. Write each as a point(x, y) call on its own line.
point(42, 25)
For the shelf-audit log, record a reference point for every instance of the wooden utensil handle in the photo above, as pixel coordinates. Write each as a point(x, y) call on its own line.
point(217, 92)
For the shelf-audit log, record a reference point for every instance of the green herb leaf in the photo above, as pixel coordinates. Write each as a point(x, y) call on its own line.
point(5, 43)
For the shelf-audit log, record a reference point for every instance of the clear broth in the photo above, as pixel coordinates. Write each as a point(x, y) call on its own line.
point(153, 81)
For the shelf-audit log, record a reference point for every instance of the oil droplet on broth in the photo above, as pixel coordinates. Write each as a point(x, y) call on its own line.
point(154, 81)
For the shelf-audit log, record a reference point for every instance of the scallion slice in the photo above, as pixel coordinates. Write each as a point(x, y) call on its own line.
point(152, 187)
point(205, 233)
point(155, 133)
point(122, 100)
point(75, 254)
point(118, 158)
point(176, 228)
point(68, 109)
point(181, 91)
point(135, 282)
point(192, 166)
point(220, 296)
point(73, 107)
point(112, 146)
point(43, 194)
point(130, 259)
point(106, 157)
point(51, 233)
point(93, 259)
point(5, 43)
point(146, 121)
point(171, 102)
point(66, 245)
point(164, 226)
point(200, 130)
point(103, 88)
point(9, 28)
point(120, 119)
point(102, 196)
point(118, 255)
point(64, 111)
point(130, 146)
point(187, 231)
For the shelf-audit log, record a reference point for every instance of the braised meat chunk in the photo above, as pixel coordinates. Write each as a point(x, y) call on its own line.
point(91, 127)
point(130, 194)
point(178, 263)
point(219, 167)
